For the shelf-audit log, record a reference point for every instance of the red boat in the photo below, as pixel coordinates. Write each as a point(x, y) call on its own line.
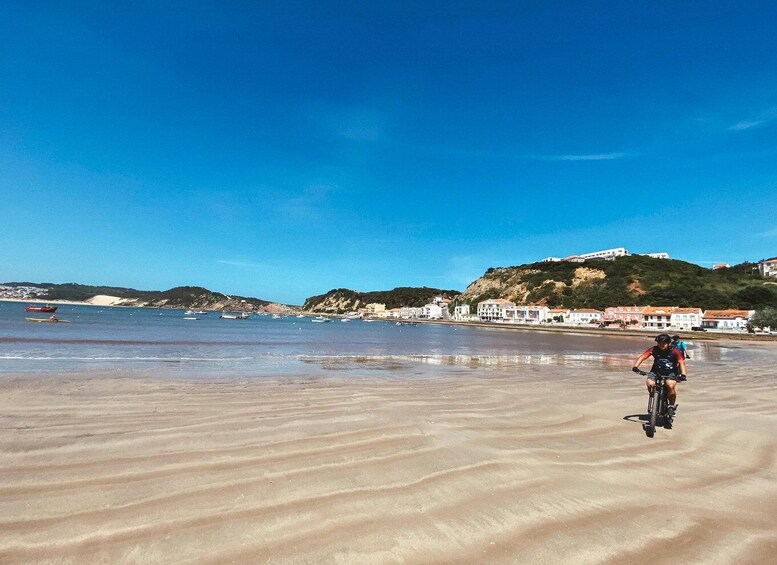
point(46, 308)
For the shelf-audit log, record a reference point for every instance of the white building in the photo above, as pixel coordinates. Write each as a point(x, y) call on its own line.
point(558, 315)
point(608, 254)
point(731, 320)
point(524, 314)
point(494, 309)
point(461, 312)
point(431, 312)
point(410, 312)
point(768, 267)
point(656, 255)
point(683, 319)
point(657, 317)
point(584, 316)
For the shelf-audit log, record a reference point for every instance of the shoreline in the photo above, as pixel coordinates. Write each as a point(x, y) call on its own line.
point(696, 336)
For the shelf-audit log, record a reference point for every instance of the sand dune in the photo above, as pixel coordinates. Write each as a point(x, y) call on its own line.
point(545, 465)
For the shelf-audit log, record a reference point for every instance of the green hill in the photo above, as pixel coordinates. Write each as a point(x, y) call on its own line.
point(632, 280)
point(178, 297)
point(341, 300)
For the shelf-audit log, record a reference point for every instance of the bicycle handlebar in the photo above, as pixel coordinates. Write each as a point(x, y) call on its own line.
point(645, 373)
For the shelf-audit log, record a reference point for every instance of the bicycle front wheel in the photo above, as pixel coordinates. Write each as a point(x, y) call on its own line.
point(655, 406)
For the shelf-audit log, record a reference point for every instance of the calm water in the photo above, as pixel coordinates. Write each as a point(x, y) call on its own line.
point(120, 339)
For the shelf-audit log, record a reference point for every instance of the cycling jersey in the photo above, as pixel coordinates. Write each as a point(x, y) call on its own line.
point(665, 362)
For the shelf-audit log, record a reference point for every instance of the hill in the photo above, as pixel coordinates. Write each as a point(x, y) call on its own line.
point(631, 280)
point(341, 300)
point(179, 297)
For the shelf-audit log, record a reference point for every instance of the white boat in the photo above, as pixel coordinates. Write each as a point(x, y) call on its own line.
point(190, 318)
point(300, 315)
point(320, 320)
point(189, 313)
point(200, 313)
point(276, 317)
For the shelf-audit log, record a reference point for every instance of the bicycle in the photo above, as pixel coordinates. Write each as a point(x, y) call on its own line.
point(657, 405)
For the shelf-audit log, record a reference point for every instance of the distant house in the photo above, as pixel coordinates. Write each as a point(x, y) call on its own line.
point(557, 315)
point(493, 310)
point(524, 314)
point(768, 267)
point(683, 319)
point(431, 312)
point(657, 317)
point(733, 320)
point(410, 312)
point(461, 312)
point(717, 266)
point(625, 315)
point(584, 316)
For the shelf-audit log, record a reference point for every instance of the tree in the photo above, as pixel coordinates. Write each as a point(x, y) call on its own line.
point(764, 318)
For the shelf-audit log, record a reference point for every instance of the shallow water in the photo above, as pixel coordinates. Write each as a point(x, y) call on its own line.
point(107, 339)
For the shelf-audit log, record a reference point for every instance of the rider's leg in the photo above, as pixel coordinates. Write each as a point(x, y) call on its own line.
point(671, 394)
point(650, 384)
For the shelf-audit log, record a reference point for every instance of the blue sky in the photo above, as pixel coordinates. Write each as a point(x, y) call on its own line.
point(282, 149)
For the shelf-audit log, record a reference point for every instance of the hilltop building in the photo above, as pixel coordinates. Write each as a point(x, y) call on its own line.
point(768, 267)
point(607, 254)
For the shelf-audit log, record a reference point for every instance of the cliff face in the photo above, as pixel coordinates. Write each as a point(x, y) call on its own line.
point(629, 280)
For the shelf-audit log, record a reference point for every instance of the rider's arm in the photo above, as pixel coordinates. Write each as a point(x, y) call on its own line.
point(641, 359)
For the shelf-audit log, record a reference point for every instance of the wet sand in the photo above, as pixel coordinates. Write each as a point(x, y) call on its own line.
point(540, 464)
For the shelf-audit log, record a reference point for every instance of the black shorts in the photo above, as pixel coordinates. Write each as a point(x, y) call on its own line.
point(670, 377)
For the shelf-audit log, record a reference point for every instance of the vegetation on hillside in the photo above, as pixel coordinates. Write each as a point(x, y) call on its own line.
point(341, 300)
point(631, 280)
point(178, 297)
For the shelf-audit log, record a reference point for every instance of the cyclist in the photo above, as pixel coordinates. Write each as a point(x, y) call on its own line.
point(678, 344)
point(667, 361)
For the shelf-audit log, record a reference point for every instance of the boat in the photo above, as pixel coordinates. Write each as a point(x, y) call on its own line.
point(190, 318)
point(200, 313)
point(48, 320)
point(46, 308)
point(320, 320)
point(412, 324)
point(276, 317)
point(189, 313)
point(241, 316)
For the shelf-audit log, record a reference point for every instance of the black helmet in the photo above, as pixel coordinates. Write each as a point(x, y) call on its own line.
point(675, 338)
point(663, 338)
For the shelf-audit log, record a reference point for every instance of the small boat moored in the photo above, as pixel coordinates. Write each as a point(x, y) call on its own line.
point(46, 308)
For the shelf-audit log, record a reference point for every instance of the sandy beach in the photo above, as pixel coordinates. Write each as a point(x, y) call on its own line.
point(540, 464)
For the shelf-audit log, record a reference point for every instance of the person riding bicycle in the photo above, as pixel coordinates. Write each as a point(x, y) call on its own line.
point(668, 362)
point(678, 344)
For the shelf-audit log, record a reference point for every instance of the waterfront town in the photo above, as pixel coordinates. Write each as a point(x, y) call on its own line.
point(652, 318)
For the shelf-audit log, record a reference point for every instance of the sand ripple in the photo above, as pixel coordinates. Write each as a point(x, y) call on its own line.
point(547, 466)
